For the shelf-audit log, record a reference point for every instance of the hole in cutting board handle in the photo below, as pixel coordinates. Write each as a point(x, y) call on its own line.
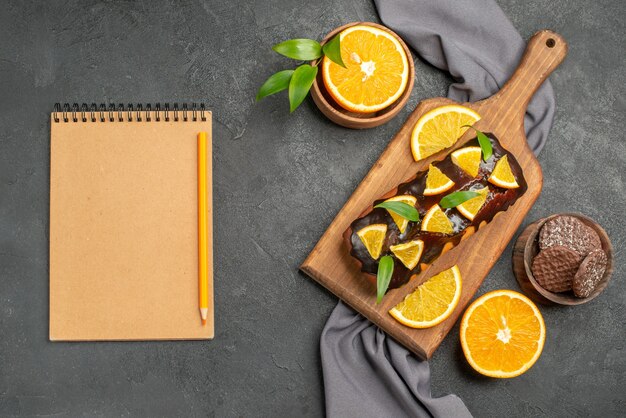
point(550, 43)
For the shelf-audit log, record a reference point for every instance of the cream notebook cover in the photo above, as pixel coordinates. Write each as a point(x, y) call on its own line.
point(123, 224)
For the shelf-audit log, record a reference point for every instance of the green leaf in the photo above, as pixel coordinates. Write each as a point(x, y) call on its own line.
point(332, 49)
point(299, 49)
point(383, 277)
point(455, 199)
point(300, 84)
point(277, 82)
point(485, 143)
point(402, 209)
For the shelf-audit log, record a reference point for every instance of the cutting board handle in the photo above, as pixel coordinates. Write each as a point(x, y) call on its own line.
point(544, 52)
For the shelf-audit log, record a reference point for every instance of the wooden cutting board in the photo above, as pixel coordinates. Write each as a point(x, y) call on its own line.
point(503, 115)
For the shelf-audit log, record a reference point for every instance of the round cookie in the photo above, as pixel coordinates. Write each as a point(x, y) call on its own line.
point(594, 238)
point(570, 232)
point(589, 274)
point(555, 267)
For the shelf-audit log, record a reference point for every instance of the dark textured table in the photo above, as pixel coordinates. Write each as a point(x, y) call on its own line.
point(279, 181)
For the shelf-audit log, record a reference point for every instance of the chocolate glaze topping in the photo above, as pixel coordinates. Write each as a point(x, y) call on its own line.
point(498, 199)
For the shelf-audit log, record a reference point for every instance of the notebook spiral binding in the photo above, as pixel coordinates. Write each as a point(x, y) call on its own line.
point(129, 113)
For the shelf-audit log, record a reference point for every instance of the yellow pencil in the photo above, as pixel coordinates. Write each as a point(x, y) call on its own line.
point(203, 297)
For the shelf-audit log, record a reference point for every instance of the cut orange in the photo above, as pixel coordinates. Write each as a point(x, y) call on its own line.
point(470, 208)
point(436, 220)
point(376, 73)
point(436, 182)
point(440, 128)
point(408, 253)
point(468, 159)
point(373, 237)
point(502, 334)
point(432, 302)
point(502, 176)
point(399, 220)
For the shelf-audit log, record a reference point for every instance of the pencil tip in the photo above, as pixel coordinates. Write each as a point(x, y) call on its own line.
point(204, 322)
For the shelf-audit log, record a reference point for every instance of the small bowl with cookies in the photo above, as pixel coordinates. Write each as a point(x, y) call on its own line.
point(564, 259)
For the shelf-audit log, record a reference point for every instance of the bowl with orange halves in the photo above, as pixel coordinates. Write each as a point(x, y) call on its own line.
point(375, 83)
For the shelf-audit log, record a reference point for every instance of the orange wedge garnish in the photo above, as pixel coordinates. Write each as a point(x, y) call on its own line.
point(432, 302)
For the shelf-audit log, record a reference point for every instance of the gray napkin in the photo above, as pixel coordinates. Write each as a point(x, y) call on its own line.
point(366, 373)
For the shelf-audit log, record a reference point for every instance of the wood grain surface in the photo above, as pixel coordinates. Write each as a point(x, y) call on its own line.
point(331, 265)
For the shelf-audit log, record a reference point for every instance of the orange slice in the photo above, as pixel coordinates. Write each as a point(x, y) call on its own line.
point(432, 302)
point(502, 334)
point(470, 208)
point(502, 176)
point(401, 222)
point(468, 159)
point(408, 253)
point(376, 73)
point(440, 128)
point(436, 182)
point(373, 236)
point(436, 220)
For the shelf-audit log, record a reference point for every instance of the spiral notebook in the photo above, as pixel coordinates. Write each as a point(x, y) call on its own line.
point(123, 223)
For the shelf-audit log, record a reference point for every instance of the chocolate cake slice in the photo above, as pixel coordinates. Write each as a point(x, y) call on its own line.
point(498, 200)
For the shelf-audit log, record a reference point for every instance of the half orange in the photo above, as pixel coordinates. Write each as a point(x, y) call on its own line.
point(376, 73)
point(502, 334)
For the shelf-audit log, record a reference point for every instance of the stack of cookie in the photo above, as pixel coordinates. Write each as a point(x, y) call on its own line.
point(570, 257)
